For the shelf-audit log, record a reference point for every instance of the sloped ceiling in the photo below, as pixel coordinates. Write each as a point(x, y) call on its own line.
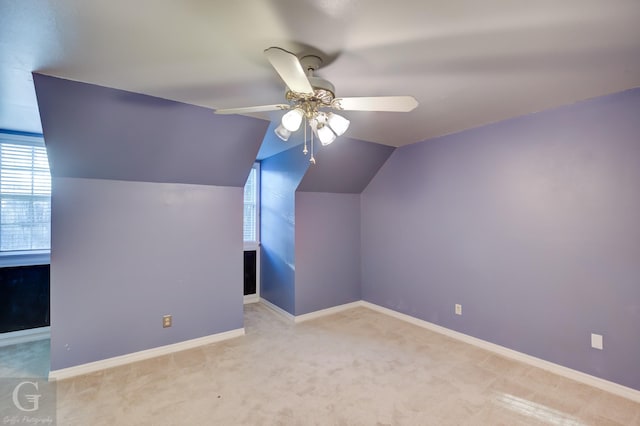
point(467, 62)
point(345, 166)
point(103, 133)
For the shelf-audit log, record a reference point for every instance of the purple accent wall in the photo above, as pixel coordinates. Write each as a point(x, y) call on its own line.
point(146, 219)
point(126, 253)
point(327, 234)
point(280, 176)
point(310, 224)
point(327, 249)
point(345, 166)
point(103, 133)
point(531, 224)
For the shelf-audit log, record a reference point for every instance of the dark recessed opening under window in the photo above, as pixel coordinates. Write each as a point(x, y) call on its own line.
point(249, 272)
point(25, 297)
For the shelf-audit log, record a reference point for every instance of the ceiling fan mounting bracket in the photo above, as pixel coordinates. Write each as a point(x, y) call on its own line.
point(310, 63)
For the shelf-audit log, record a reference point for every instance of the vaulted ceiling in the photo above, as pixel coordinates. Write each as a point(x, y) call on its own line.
point(467, 62)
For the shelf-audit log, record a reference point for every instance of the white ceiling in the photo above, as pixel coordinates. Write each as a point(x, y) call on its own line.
point(467, 62)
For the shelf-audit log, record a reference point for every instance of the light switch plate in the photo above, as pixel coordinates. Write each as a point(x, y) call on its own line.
point(596, 341)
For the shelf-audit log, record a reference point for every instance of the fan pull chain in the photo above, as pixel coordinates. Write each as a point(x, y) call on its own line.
point(305, 151)
point(312, 160)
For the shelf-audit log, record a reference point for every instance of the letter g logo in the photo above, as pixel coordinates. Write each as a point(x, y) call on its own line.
point(33, 399)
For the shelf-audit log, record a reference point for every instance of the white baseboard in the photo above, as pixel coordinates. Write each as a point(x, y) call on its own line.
point(328, 311)
point(78, 370)
point(310, 315)
point(251, 298)
point(277, 309)
point(24, 336)
point(560, 370)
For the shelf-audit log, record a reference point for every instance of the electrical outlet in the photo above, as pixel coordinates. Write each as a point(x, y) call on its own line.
point(458, 309)
point(596, 341)
point(166, 321)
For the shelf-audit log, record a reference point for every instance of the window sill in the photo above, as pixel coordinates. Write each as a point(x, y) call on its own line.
point(251, 245)
point(25, 258)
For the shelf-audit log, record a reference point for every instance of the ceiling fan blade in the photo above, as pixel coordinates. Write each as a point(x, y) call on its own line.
point(376, 103)
point(290, 70)
point(247, 110)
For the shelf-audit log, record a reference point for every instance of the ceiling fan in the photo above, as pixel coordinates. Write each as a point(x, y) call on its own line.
point(310, 97)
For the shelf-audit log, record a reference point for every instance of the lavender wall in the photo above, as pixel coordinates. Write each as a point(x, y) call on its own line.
point(104, 133)
point(345, 166)
point(126, 253)
point(280, 176)
point(327, 209)
point(327, 250)
point(311, 240)
point(531, 224)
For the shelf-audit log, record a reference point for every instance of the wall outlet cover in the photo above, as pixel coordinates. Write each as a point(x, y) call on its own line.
point(166, 321)
point(458, 309)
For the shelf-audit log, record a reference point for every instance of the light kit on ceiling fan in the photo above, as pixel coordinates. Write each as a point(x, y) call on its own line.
point(322, 130)
point(326, 126)
point(292, 120)
point(309, 96)
point(282, 132)
point(338, 123)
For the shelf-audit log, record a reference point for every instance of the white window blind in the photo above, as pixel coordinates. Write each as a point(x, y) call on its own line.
point(25, 194)
point(251, 205)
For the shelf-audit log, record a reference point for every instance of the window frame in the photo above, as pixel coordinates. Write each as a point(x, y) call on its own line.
point(23, 257)
point(253, 245)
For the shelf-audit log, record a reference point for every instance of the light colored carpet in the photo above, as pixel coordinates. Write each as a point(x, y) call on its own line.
point(25, 359)
point(358, 367)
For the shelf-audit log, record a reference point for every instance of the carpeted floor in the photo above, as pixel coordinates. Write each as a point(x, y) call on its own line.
point(25, 360)
point(358, 367)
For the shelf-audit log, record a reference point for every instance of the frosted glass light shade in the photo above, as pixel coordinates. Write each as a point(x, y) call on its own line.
point(282, 133)
point(325, 135)
point(338, 123)
point(292, 120)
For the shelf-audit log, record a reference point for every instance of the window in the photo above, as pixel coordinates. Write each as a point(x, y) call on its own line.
point(251, 228)
point(25, 193)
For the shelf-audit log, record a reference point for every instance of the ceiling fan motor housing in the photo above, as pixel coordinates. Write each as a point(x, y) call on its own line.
point(323, 93)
